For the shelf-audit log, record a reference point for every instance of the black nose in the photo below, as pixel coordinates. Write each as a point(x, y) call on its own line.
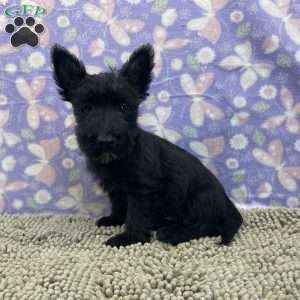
point(105, 139)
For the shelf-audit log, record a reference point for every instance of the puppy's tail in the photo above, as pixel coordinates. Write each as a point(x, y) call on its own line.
point(232, 222)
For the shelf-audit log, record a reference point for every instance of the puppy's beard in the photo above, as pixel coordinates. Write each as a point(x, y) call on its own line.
point(106, 157)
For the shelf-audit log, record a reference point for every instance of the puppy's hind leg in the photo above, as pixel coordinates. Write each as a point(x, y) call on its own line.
point(175, 234)
point(231, 224)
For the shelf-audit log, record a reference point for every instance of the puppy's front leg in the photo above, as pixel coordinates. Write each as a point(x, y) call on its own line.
point(137, 224)
point(118, 210)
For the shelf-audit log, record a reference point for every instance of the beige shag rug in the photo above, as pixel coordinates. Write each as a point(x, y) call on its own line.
point(63, 258)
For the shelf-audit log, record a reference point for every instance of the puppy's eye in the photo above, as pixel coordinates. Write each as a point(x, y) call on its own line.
point(86, 108)
point(123, 107)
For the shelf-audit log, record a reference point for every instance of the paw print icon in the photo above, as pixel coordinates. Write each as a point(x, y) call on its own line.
point(24, 32)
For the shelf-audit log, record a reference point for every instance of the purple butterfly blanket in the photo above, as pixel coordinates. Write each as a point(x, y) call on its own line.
point(226, 88)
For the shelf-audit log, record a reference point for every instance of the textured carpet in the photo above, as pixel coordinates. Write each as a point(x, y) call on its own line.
point(64, 258)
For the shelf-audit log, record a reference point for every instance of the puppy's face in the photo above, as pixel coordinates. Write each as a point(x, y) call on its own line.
point(105, 105)
point(105, 108)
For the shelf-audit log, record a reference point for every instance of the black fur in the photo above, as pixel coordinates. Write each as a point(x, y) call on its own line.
point(152, 184)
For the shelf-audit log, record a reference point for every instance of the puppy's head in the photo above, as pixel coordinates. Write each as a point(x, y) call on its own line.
point(105, 105)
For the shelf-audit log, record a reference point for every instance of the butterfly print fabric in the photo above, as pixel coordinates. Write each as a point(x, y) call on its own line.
point(226, 88)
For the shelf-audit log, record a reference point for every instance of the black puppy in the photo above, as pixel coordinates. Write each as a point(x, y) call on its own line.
point(152, 184)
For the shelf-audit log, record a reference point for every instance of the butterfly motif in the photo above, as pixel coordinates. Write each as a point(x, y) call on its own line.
point(289, 116)
point(273, 158)
point(208, 26)
point(279, 9)
point(161, 44)
point(208, 150)
point(96, 47)
point(200, 106)
point(9, 187)
point(73, 199)
point(156, 122)
point(239, 118)
point(270, 44)
point(250, 71)
point(169, 17)
point(35, 111)
point(240, 195)
point(6, 137)
point(44, 151)
point(119, 29)
point(264, 190)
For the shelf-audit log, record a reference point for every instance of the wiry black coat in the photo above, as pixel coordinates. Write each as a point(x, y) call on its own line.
point(152, 184)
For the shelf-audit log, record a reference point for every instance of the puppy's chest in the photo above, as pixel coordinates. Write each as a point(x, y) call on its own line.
point(112, 176)
point(109, 180)
point(129, 180)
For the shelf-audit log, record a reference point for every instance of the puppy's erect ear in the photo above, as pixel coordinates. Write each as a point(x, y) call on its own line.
point(68, 70)
point(138, 69)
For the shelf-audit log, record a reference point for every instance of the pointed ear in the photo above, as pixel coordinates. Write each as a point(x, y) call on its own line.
point(68, 70)
point(138, 69)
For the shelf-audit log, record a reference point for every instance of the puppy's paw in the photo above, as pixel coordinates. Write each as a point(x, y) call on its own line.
point(167, 235)
point(225, 241)
point(108, 221)
point(123, 239)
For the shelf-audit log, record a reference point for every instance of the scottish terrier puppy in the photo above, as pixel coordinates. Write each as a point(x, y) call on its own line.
point(152, 184)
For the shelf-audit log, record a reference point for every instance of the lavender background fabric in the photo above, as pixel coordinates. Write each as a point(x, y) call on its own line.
point(226, 88)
